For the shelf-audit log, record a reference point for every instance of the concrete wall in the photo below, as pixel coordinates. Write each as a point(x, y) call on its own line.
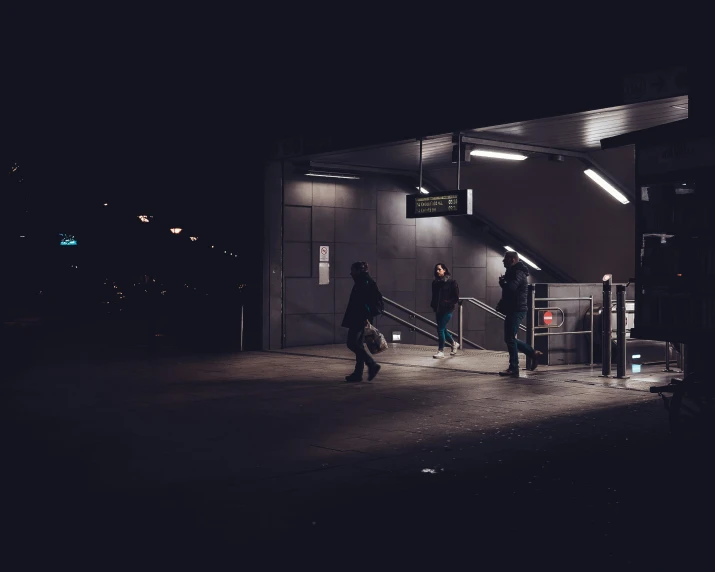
point(365, 220)
point(556, 211)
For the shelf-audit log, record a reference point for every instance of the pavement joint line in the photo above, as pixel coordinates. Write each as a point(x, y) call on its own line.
point(539, 376)
point(479, 372)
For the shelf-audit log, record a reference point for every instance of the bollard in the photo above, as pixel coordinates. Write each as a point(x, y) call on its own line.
point(621, 332)
point(241, 327)
point(606, 328)
point(460, 325)
point(530, 300)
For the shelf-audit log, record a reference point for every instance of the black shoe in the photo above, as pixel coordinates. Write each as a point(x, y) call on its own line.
point(353, 377)
point(372, 371)
point(534, 360)
point(509, 373)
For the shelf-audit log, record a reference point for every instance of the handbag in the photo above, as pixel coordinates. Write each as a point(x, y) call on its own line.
point(374, 340)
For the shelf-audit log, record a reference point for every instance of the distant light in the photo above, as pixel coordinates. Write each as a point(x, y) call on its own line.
point(423, 190)
point(396, 336)
point(105, 204)
point(212, 246)
point(175, 230)
point(144, 218)
point(636, 356)
point(22, 236)
point(498, 155)
point(607, 277)
point(194, 238)
point(606, 186)
point(524, 258)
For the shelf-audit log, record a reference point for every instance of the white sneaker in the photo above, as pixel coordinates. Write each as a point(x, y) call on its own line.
point(438, 355)
point(455, 347)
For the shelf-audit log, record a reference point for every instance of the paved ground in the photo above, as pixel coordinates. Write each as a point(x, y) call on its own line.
point(491, 362)
point(268, 460)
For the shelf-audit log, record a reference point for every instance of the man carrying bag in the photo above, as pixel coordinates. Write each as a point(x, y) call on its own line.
point(365, 303)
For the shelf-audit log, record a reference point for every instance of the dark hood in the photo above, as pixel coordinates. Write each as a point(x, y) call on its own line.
point(520, 266)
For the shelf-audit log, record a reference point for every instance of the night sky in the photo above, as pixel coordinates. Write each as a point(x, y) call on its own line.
point(172, 113)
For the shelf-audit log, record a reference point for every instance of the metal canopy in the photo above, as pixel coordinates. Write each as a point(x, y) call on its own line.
point(576, 133)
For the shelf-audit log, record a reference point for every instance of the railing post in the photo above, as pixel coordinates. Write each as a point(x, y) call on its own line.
point(592, 332)
point(241, 327)
point(460, 325)
point(530, 300)
point(606, 328)
point(621, 331)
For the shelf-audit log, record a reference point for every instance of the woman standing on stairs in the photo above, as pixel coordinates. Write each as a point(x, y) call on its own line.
point(445, 297)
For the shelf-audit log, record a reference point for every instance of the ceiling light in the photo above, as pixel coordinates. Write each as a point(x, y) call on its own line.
point(606, 186)
point(524, 258)
point(144, 218)
point(332, 175)
point(175, 230)
point(498, 155)
point(422, 190)
point(194, 238)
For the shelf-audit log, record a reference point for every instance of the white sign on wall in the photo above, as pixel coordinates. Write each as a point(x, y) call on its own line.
point(324, 254)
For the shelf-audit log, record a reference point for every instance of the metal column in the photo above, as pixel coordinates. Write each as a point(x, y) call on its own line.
point(606, 328)
point(530, 301)
point(621, 331)
point(460, 324)
point(241, 327)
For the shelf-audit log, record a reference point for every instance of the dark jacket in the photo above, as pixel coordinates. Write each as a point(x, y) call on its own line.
point(445, 295)
point(362, 303)
point(514, 285)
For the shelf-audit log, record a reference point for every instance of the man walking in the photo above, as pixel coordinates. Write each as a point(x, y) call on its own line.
point(514, 284)
point(362, 307)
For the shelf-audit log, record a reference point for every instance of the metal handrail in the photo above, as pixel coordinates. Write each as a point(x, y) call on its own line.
point(489, 310)
point(414, 314)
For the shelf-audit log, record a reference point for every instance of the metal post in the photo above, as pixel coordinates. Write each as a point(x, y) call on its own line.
point(680, 361)
point(459, 159)
point(241, 327)
point(530, 300)
point(460, 325)
point(667, 357)
point(621, 331)
point(419, 191)
point(592, 332)
point(606, 328)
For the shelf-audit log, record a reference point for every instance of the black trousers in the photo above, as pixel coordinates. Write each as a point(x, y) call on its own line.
point(356, 344)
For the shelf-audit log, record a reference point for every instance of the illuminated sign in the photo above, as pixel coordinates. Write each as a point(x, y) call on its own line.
point(67, 240)
point(448, 203)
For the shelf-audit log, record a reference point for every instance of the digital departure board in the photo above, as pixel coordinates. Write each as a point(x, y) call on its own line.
point(448, 203)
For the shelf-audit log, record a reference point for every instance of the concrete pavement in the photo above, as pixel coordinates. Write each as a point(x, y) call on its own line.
point(269, 459)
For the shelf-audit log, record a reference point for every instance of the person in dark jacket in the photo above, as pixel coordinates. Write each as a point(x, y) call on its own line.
point(445, 297)
point(362, 307)
point(514, 284)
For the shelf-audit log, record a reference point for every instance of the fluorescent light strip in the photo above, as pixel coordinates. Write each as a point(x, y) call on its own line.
point(332, 175)
point(498, 155)
point(606, 186)
point(524, 258)
point(422, 190)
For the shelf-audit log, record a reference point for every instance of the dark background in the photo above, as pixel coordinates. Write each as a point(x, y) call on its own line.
point(172, 113)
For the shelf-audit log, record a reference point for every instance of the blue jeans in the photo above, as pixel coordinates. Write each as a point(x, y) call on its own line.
point(442, 333)
point(514, 344)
